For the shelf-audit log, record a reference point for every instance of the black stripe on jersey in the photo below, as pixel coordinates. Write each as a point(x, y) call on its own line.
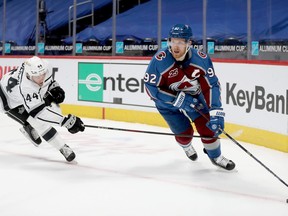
point(54, 113)
point(50, 134)
point(35, 111)
point(21, 73)
point(4, 100)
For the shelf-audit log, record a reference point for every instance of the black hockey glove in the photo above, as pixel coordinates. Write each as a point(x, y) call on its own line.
point(73, 123)
point(54, 94)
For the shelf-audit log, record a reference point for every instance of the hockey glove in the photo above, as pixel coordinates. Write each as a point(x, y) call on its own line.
point(54, 94)
point(73, 123)
point(216, 123)
point(186, 102)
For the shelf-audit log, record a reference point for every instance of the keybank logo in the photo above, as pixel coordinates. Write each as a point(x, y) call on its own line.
point(90, 82)
point(258, 99)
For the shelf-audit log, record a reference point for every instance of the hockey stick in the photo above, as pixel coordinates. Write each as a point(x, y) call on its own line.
point(146, 132)
point(244, 149)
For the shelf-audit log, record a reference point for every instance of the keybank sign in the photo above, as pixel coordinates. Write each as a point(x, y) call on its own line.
point(258, 99)
point(94, 86)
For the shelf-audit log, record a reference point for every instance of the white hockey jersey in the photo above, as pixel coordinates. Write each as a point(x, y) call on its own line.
point(19, 90)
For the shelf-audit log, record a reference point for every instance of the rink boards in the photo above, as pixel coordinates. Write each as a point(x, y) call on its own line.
point(254, 94)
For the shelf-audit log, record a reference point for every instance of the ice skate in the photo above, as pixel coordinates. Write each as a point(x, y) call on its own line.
point(31, 134)
point(223, 162)
point(68, 153)
point(190, 152)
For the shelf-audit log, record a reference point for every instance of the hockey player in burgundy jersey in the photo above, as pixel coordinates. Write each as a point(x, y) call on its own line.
point(30, 95)
point(183, 84)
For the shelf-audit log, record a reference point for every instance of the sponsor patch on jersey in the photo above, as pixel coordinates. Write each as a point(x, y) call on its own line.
point(173, 73)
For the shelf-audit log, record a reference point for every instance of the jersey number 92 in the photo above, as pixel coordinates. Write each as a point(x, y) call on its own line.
point(151, 78)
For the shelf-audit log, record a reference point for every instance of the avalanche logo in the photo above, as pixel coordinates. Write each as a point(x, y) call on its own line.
point(185, 85)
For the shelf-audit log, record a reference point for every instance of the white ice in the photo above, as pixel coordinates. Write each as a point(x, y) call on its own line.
point(132, 174)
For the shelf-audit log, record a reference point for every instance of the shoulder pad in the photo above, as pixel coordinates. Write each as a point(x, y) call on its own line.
point(161, 55)
point(202, 54)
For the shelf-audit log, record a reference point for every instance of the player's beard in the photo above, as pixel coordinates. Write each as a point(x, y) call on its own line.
point(178, 56)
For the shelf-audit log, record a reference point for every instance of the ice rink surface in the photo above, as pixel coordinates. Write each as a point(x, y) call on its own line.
point(131, 174)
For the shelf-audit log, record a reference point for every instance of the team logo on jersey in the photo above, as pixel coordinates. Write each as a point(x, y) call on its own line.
point(201, 54)
point(161, 55)
point(173, 73)
point(186, 85)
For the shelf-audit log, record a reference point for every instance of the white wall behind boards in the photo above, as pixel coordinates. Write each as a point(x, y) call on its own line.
point(253, 95)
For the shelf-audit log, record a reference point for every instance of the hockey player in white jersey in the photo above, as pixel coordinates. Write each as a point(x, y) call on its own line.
point(28, 95)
